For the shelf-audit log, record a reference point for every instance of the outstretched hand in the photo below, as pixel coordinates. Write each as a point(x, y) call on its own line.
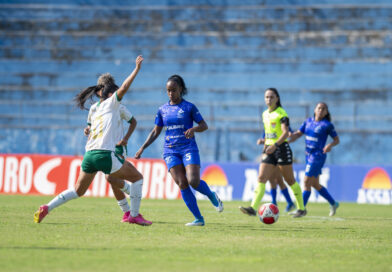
point(139, 61)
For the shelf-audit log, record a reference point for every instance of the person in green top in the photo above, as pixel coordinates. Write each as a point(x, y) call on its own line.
point(276, 151)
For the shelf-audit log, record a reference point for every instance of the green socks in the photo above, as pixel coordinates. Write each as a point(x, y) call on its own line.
point(298, 196)
point(259, 193)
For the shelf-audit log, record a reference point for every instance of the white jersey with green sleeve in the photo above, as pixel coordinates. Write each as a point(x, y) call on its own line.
point(105, 121)
point(125, 115)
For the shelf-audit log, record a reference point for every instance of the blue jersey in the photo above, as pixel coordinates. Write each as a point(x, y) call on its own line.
point(177, 119)
point(317, 134)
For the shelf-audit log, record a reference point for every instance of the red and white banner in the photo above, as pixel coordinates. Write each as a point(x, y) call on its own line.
point(31, 174)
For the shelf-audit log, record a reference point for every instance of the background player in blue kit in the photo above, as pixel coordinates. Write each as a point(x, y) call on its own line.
point(181, 153)
point(317, 130)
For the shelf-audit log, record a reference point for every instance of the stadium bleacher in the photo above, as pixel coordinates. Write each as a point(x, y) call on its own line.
point(228, 52)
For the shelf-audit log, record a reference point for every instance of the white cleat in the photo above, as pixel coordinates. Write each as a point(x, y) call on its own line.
point(333, 208)
point(219, 208)
point(196, 223)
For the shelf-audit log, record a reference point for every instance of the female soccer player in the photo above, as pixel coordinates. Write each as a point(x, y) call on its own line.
point(275, 180)
point(180, 150)
point(276, 152)
point(100, 147)
point(120, 150)
point(317, 130)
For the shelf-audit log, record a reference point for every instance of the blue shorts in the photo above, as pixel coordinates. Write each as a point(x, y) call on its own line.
point(186, 158)
point(314, 164)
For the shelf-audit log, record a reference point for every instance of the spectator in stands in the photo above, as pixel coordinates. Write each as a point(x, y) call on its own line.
point(180, 152)
point(100, 148)
point(317, 129)
point(276, 152)
point(121, 151)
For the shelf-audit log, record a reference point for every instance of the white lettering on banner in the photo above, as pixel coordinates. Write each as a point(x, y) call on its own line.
point(250, 184)
point(41, 182)
point(225, 193)
point(157, 180)
point(11, 176)
point(171, 188)
point(374, 196)
point(144, 168)
point(73, 167)
point(1, 171)
point(25, 175)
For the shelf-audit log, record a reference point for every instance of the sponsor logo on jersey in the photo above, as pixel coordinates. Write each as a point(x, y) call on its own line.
point(174, 127)
point(310, 138)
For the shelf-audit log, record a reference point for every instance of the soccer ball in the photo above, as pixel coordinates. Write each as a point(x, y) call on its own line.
point(268, 213)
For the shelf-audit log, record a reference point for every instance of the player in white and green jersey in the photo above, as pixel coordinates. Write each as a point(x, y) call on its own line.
point(100, 147)
point(121, 150)
point(277, 151)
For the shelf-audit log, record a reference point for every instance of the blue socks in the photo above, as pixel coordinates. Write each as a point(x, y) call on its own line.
point(305, 196)
point(273, 195)
point(205, 190)
point(190, 201)
point(324, 193)
point(286, 195)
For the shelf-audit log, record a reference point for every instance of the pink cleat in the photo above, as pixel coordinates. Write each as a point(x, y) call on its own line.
point(126, 217)
point(139, 220)
point(41, 213)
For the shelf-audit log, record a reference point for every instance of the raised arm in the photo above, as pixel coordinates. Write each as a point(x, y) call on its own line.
point(128, 81)
point(150, 139)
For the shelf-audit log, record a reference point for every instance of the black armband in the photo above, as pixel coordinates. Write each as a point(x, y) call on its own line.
point(285, 120)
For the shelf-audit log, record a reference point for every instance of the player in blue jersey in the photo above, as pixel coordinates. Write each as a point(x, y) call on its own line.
point(181, 153)
point(317, 130)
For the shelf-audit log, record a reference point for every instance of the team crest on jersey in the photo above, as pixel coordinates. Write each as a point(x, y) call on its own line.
point(317, 129)
point(180, 114)
point(273, 125)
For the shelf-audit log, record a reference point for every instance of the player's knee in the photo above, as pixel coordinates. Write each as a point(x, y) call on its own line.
point(262, 179)
point(183, 184)
point(194, 182)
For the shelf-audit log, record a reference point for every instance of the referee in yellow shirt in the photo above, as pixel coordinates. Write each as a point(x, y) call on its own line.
point(276, 151)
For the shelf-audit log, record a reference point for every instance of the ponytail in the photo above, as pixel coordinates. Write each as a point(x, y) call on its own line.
point(86, 94)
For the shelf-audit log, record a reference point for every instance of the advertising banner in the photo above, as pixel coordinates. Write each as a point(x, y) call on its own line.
point(31, 174)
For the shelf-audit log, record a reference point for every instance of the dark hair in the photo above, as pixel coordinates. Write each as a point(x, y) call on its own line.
point(277, 94)
point(86, 94)
point(328, 115)
point(105, 83)
point(180, 82)
point(110, 86)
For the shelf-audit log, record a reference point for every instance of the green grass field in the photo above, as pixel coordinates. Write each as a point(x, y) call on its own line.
point(86, 235)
